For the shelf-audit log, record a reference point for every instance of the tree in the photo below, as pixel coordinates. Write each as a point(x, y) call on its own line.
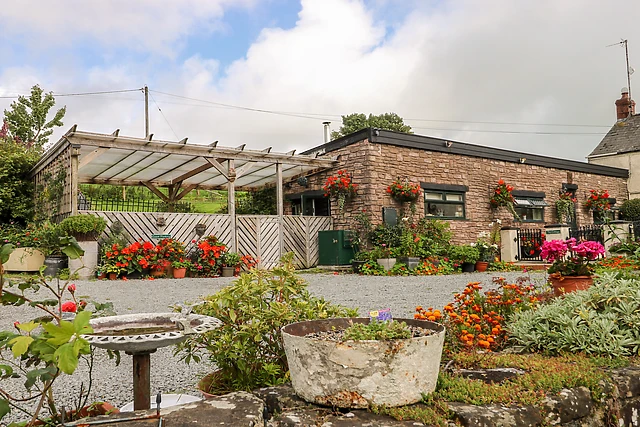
point(27, 118)
point(356, 121)
point(16, 189)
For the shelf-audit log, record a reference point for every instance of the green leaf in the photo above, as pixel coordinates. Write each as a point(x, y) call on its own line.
point(5, 252)
point(43, 374)
point(66, 358)
point(4, 408)
point(81, 323)
point(8, 370)
point(20, 345)
point(28, 327)
point(71, 248)
point(59, 334)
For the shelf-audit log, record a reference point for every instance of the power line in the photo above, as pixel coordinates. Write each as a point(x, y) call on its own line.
point(80, 93)
point(512, 131)
point(164, 117)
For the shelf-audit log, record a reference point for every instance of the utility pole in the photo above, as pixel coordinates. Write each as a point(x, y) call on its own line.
point(624, 43)
point(146, 111)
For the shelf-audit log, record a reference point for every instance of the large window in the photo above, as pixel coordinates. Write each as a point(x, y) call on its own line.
point(444, 200)
point(530, 205)
point(310, 203)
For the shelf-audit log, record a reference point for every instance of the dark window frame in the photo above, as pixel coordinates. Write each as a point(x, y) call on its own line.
point(530, 196)
point(443, 201)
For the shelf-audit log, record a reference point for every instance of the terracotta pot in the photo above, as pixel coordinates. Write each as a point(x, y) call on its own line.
point(102, 276)
point(206, 383)
point(179, 273)
point(481, 266)
point(157, 273)
point(567, 284)
point(94, 410)
point(113, 276)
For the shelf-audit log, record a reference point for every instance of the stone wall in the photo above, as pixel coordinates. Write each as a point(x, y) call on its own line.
point(374, 166)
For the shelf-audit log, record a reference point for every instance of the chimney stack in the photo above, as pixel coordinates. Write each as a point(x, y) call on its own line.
point(625, 106)
point(327, 131)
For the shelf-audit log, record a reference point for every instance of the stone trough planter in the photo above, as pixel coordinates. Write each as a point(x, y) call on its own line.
point(356, 374)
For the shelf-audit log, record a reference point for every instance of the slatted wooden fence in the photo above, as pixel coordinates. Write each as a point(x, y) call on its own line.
point(260, 236)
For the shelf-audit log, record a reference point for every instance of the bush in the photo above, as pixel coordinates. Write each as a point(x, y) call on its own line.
point(602, 320)
point(630, 209)
point(464, 253)
point(247, 349)
point(388, 235)
point(16, 188)
point(85, 227)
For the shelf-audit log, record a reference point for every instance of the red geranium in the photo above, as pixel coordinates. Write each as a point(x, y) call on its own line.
point(69, 307)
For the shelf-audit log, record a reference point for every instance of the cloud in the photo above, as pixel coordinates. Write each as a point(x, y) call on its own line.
point(143, 25)
point(461, 61)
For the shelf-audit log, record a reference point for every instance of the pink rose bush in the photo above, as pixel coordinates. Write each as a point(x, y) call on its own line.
point(570, 258)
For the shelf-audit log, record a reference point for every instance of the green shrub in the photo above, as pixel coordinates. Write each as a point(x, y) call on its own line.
point(376, 330)
point(388, 235)
point(630, 209)
point(602, 320)
point(247, 349)
point(83, 226)
point(16, 188)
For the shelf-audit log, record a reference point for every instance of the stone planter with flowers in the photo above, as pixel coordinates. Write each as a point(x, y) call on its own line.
point(26, 243)
point(571, 269)
point(85, 229)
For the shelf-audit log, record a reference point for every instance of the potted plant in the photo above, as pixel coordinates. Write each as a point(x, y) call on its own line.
point(571, 269)
point(467, 255)
point(26, 255)
point(85, 229)
point(565, 207)
point(502, 197)
point(360, 259)
point(341, 187)
point(180, 268)
point(410, 247)
point(383, 256)
point(54, 260)
point(112, 270)
point(487, 251)
point(230, 263)
point(338, 362)
point(598, 202)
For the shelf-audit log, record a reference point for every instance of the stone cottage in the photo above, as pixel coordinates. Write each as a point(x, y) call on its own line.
point(457, 181)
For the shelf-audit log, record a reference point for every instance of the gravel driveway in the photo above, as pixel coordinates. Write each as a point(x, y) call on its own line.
point(114, 384)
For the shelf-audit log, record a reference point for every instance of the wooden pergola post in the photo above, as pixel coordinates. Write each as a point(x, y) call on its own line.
point(231, 201)
point(75, 154)
point(280, 205)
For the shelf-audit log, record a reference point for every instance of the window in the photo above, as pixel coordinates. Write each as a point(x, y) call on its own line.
point(444, 204)
point(310, 203)
point(529, 205)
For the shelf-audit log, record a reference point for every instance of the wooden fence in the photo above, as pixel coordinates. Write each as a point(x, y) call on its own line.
point(262, 236)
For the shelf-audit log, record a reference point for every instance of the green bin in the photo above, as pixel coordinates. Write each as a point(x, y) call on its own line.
point(335, 247)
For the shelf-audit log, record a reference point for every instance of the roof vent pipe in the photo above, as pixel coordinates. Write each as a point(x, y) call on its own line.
point(327, 131)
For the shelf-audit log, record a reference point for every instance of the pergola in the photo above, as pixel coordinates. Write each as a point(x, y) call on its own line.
point(94, 158)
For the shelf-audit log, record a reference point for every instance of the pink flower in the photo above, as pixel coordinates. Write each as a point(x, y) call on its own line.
point(69, 307)
point(72, 288)
point(15, 324)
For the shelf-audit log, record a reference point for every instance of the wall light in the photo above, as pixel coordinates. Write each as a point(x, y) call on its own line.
point(523, 159)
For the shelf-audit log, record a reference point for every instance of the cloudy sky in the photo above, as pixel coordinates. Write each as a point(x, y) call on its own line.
point(539, 71)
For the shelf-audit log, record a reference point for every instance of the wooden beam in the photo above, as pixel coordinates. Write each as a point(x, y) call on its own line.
point(241, 147)
point(280, 207)
point(231, 201)
point(244, 169)
point(116, 133)
point(91, 156)
point(196, 150)
point(214, 144)
point(196, 171)
point(183, 141)
point(218, 166)
point(186, 190)
point(155, 191)
point(75, 153)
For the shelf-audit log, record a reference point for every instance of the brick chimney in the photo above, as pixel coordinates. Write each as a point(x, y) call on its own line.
point(625, 106)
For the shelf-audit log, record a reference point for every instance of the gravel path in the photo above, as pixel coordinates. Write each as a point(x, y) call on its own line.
point(114, 384)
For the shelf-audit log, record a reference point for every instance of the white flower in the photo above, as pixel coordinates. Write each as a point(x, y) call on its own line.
point(405, 218)
point(472, 244)
point(498, 221)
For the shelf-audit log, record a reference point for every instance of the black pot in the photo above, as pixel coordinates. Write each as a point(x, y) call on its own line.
point(138, 274)
point(411, 262)
point(356, 266)
point(467, 267)
point(54, 264)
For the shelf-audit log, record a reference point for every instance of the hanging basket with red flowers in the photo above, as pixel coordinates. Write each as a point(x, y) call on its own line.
point(341, 187)
point(598, 201)
point(404, 191)
point(502, 197)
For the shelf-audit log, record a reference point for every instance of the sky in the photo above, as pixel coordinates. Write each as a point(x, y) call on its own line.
point(533, 76)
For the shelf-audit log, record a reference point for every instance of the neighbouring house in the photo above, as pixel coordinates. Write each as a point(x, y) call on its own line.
point(621, 145)
point(457, 181)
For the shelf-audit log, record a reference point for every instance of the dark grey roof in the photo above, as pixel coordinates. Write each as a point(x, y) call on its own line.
point(379, 136)
point(623, 137)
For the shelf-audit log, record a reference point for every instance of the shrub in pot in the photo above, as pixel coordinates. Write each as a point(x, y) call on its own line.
point(248, 348)
point(180, 268)
point(230, 263)
point(83, 227)
point(465, 254)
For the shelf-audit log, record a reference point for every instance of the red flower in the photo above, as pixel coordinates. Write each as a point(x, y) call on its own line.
point(69, 307)
point(15, 324)
point(71, 288)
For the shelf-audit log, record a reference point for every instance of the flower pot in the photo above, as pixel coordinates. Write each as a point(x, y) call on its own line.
point(24, 259)
point(566, 284)
point(207, 383)
point(93, 410)
point(87, 263)
point(112, 276)
point(410, 261)
point(157, 273)
point(482, 266)
point(228, 271)
point(386, 263)
point(356, 266)
point(179, 273)
point(468, 267)
point(54, 264)
point(101, 275)
point(356, 374)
